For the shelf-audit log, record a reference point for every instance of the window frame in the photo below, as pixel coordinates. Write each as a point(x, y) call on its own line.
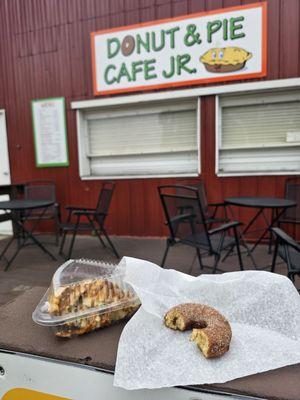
point(82, 138)
point(218, 133)
point(187, 93)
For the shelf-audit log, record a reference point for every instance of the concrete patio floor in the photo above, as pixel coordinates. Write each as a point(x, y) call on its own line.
point(32, 267)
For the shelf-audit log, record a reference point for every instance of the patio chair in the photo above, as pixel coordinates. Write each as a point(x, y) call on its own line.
point(94, 217)
point(292, 192)
point(288, 250)
point(210, 210)
point(43, 190)
point(188, 225)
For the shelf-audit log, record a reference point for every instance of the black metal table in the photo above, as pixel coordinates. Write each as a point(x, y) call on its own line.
point(13, 190)
point(17, 208)
point(276, 205)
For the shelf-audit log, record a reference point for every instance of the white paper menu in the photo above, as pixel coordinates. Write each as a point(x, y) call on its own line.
point(50, 136)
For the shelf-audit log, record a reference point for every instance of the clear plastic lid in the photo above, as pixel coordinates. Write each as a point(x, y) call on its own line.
point(83, 288)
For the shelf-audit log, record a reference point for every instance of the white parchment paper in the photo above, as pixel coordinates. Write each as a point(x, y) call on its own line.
point(263, 309)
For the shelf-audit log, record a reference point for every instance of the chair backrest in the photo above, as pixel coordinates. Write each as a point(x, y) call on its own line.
point(104, 198)
point(200, 186)
point(184, 212)
point(292, 192)
point(40, 190)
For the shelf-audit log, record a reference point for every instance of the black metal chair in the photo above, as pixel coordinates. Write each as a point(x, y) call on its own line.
point(292, 192)
point(211, 210)
point(43, 190)
point(288, 250)
point(95, 219)
point(188, 225)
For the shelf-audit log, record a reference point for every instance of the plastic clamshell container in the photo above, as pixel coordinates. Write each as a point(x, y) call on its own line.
point(85, 295)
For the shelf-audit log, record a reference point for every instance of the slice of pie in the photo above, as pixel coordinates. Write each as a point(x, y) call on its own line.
point(89, 294)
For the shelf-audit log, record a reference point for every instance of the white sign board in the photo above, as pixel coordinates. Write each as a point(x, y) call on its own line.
point(50, 136)
point(220, 45)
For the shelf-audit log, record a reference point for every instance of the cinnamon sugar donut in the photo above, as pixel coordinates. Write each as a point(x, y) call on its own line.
point(211, 330)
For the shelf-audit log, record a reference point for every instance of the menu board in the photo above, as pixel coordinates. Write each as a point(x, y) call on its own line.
point(50, 133)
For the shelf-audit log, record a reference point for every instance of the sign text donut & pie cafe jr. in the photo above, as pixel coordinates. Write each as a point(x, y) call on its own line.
point(222, 45)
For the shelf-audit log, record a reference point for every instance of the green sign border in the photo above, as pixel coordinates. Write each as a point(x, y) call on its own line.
point(46, 165)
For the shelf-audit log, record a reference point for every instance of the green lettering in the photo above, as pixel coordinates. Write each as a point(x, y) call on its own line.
point(107, 80)
point(142, 43)
point(234, 28)
point(225, 29)
point(136, 68)
point(123, 73)
point(172, 69)
point(159, 47)
point(149, 67)
point(213, 27)
point(171, 32)
point(182, 60)
point(110, 51)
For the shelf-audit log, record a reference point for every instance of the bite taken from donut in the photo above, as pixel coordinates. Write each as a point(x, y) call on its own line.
point(210, 330)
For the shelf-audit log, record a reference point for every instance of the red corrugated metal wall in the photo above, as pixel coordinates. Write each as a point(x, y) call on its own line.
point(45, 52)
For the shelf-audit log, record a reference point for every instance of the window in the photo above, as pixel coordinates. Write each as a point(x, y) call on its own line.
point(150, 140)
point(259, 133)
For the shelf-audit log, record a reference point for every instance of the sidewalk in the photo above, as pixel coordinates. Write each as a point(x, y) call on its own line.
point(34, 268)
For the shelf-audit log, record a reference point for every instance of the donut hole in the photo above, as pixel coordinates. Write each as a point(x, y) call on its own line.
point(128, 45)
point(198, 325)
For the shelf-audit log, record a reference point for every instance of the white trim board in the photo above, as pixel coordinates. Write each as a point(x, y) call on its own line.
point(95, 177)
point(188, 93)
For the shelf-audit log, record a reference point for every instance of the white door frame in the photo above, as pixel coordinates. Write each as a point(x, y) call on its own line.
point(5, 227)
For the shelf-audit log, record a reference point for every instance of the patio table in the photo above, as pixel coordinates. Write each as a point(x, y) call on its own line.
point(276, 205)
point(13, 191)
point(32, 357)
point(15, 208)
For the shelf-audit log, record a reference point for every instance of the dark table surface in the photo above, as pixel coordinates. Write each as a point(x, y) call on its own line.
point(260, 202)
point(18, 333)
point(12, 185)
point(24, 204)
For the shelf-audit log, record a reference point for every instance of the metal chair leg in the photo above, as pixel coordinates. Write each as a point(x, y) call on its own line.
point(217, 259)
point(96, 230)
point(73, 237)
point(274, 257)
point(165, 253)
point(238, 249)
point(109, 241)
point(199, 258)
point(12, 258)
point(57, 230)
point(56, 240)
point(62, 242)
point(71, 245)
point(7, 246)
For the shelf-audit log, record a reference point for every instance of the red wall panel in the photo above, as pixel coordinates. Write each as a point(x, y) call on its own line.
point(45, 52)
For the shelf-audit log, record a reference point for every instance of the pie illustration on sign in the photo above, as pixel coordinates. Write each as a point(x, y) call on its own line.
point(227, 59)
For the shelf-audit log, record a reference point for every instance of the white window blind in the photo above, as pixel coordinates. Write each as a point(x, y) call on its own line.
point(259, 133)
point(148, 140)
